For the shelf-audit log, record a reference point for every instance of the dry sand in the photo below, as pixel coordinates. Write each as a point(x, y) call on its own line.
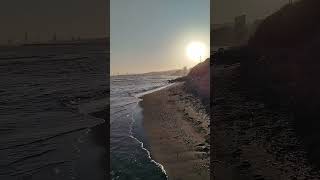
point(177, 128)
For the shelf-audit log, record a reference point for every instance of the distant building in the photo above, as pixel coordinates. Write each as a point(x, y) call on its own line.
point(240, 29)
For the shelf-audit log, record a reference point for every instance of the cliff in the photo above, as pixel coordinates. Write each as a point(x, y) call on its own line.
point(285, 63)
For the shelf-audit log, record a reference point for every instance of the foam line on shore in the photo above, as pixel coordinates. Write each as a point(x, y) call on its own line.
point(143, 148)
point(133, 120)
point(153, 90)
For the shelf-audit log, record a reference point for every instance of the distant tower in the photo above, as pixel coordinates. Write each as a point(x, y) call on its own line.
point(240, 28)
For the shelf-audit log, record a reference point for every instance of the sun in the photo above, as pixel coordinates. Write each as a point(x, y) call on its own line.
point(195, 51)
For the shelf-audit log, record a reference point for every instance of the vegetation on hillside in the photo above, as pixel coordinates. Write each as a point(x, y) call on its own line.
point(285, 62)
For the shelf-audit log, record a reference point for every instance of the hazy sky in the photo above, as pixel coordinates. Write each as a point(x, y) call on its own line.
point(41, 18)
point(152, 35)
point(225, 10)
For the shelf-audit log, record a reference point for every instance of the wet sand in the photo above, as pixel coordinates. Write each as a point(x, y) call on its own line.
point(253, 140)
point(177, 129)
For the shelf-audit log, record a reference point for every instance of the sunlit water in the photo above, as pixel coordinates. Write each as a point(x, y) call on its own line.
point(130, 158)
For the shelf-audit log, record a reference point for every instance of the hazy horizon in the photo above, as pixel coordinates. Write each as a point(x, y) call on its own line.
point(150, 36)
point(42, 18)
point(147, 72)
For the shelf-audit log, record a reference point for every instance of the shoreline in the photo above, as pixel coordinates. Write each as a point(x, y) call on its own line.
point(177, 132)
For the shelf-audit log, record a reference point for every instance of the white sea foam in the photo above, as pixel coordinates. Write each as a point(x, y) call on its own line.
point(125, 96)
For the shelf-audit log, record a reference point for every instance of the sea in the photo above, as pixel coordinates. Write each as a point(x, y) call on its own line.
point(47, 94)
point(129, 147)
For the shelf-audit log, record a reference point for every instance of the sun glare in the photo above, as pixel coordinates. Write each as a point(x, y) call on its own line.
point(196, 51)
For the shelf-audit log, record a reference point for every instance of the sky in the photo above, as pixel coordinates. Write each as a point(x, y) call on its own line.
point(42, 18)
point(152, 35)
point(224, 11)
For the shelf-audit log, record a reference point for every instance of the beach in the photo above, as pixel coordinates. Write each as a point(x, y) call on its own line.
point(177, 130)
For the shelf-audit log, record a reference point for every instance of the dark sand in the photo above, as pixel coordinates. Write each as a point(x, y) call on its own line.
point(251, 140)
point(177, 129)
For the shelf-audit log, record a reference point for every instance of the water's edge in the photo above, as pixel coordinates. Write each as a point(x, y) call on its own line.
point(136, 118)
